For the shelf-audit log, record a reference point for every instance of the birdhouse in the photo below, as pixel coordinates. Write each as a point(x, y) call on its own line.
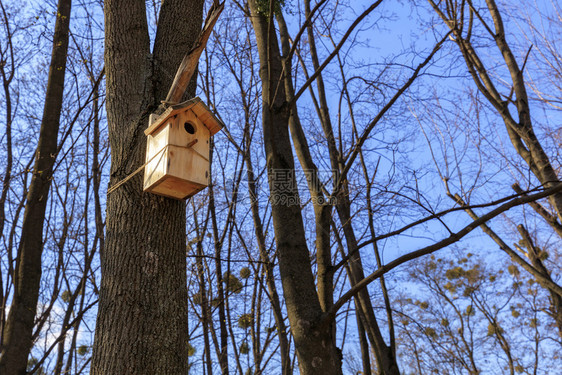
point(177, 149)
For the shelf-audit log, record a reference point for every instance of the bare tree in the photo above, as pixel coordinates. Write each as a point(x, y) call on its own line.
point(513, 105)
point(17, 337)
point(142, 319)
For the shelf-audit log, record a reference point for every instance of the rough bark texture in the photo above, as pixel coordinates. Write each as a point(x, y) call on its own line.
point(314, 345)
point(142, 319)
point(17, 338)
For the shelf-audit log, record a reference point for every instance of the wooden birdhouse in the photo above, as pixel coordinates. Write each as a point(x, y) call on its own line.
point(177, 149)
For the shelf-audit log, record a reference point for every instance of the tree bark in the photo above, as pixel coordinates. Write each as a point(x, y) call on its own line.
point(17, 337)
point(142, 316)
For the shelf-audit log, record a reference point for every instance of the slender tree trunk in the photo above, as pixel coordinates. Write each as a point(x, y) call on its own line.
point(205, 311)
point(322, 209)
point(6, 80)
point(142, 315)
point(17, 338)
point(96, 173)
point(534, 255)
point(364, 345)
point(286, 367)
point(384, 354)
point(314, 344)
point(223, 349)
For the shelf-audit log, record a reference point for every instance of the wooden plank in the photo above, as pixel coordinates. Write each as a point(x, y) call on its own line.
point(191, 59)
point(152, 118)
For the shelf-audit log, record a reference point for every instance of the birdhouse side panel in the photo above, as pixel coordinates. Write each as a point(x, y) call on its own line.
point(156, 157)
point(156, 170)
point(156, 141)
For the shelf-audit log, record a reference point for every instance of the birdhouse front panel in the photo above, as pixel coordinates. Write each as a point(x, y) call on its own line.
point(177, 150)
point(186, 128)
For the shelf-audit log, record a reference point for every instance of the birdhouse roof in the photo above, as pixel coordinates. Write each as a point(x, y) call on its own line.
point(202, 112)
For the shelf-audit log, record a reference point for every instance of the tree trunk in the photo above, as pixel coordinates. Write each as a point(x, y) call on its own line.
point(142, 317)
point(314, 344)
point(223, 347)
point(284, 349)
point(384, 354)
point(17, 339)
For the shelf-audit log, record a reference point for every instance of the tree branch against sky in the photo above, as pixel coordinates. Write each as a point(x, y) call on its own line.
point(382, 199)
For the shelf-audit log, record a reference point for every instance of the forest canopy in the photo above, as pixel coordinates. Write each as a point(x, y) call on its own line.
point(384, 198)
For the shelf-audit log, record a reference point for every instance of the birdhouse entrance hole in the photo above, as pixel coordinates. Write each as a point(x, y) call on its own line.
point(188, 126)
